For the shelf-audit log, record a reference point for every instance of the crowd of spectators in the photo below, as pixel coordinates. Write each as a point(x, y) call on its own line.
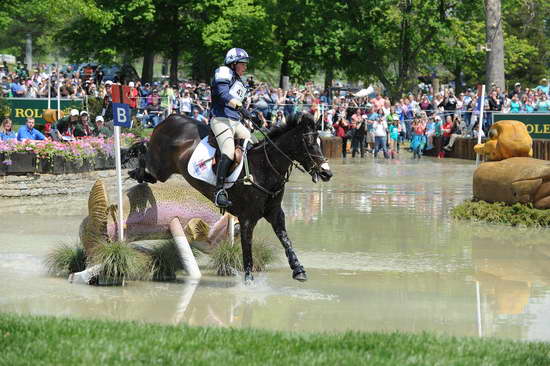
point(372, 124)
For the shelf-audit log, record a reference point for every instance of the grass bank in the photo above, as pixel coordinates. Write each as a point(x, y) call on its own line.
point(500, 213)
point(28, 340)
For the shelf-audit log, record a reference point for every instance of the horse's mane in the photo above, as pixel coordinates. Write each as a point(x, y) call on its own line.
point(291, 123)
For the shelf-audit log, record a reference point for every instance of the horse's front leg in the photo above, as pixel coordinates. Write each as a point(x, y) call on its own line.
point(247, 229)
point(277, 221)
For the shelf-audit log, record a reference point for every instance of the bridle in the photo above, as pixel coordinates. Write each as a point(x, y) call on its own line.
point(285, 176)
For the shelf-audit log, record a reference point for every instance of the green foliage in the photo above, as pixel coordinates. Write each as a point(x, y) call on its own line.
point(165, 261)
point(59, 341)
point(120, 261)
point(65, 259)
point(227, 259)
point(500, 213)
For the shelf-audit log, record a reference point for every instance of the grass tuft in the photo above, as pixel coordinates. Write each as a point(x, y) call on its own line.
point(227, 259)
point(500, 213)
point(120, 261)
point(65, 259)
point(165, 261)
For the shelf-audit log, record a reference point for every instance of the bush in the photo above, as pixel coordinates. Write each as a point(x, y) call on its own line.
point(500, 213)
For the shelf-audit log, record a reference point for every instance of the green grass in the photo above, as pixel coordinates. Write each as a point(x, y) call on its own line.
point(26, 340)
point(226, 259)
point(500, 213)
point(65, 259)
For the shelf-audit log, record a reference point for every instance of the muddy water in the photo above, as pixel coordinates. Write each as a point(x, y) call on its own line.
point(381, 252)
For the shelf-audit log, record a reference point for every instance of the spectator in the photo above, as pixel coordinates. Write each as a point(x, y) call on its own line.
point(543, 105)
point(132, 96)
point(82, 127)
point(101, 130)
point(358, 139)
point(341, 128)
point(455, 133)
point(543, 87)
point(28, 132)
point(393, 132)
point(278, 119)
point(198, 116)
point(516, 91)
point(418, 138)
point(65, 127)
point(6, 130)
point(380, 128)
point(154, 111)
point(515, 104)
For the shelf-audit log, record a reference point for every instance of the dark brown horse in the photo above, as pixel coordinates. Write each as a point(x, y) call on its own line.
point(270, 161)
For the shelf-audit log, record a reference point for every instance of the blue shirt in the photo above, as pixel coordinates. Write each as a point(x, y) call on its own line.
point(7, 135)
point(24, 133)
point(226, 85)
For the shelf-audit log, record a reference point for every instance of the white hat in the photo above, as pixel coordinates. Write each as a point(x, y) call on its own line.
point(109, 82)
point(99, 118)
point(131, 84)
point(74, 112)
point(83, 113)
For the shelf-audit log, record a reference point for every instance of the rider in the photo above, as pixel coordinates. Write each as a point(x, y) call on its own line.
point(228, 93)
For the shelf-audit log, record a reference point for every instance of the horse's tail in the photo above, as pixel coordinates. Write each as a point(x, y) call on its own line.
point(138, 151)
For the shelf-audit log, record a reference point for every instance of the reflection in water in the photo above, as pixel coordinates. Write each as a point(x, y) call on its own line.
point(378, 244)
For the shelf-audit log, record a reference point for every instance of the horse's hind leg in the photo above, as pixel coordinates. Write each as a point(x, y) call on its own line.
point(277, 221)
point(247, 228)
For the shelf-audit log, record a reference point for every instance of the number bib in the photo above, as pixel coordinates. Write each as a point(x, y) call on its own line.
point(238, 91)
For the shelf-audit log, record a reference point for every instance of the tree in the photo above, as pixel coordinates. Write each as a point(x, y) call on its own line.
point(495, 43)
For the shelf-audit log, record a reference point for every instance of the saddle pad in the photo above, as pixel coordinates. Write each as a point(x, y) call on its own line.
point(200, 164)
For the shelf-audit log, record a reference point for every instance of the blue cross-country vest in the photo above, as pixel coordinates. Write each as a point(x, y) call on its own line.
point(226, 85)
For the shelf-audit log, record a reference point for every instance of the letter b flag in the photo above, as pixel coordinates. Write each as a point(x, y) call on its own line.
point(122, 115)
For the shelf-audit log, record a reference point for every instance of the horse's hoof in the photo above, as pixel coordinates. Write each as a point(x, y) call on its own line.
point(299, 275)
point(248, 279)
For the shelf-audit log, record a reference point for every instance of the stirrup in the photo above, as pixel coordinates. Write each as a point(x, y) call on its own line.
point(225, 198)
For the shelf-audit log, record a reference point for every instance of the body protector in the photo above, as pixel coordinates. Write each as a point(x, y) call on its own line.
point(226, 85)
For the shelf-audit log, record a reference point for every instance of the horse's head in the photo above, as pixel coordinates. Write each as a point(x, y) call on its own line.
point(309, 153)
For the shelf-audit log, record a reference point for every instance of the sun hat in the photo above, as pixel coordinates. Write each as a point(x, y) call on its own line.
point(74, 112)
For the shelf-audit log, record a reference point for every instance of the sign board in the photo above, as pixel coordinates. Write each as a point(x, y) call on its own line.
point(121, 115)
point(22, 108)
point(538, 124)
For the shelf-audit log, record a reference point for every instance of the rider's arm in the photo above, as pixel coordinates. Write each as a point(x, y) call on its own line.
point(222, 80)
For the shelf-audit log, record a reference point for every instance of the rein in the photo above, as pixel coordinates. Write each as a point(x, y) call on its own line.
point(284, 177)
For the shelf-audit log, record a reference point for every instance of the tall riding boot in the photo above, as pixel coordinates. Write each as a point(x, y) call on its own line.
point(221, 199)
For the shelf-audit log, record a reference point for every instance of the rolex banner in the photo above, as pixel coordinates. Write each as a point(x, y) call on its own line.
point(22, 108)
point(538, 124)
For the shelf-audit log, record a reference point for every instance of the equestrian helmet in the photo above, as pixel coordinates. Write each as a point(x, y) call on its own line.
point(236, 55)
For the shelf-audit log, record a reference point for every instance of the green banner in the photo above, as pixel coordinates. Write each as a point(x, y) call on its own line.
point(538, 124)
point(22, 108)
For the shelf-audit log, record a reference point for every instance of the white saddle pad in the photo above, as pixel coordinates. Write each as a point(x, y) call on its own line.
point(200, 164)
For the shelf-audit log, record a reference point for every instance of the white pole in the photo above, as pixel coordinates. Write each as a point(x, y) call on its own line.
point(49, 87)
point(322, 117)
point(119, 183)
point(232, 230)
point(58, 99)
point(478, 297)
point(480, 119)
point(184, 250)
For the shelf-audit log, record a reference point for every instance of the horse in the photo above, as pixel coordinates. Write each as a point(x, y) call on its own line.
point(297, 144)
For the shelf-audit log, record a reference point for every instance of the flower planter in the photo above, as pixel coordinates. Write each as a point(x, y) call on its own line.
point(3, 166)
point(21, 163)
point(87, 166)
point(100, 162)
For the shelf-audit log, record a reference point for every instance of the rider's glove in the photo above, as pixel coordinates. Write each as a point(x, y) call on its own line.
point(235, 104)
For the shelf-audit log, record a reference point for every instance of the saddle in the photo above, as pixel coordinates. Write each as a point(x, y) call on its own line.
point(239, 151)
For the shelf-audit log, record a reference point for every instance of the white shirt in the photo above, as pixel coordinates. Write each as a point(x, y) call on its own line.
point(380, 128)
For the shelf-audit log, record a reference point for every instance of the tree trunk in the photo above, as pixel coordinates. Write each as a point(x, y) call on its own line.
point(329, 77)
point(147, 69)
point(285, 70)
point(495, 57)
point(174, 65)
